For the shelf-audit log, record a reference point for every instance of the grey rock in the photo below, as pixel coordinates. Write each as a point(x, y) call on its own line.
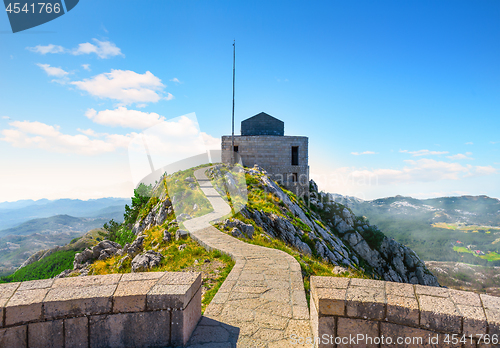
point(182, 247)
point(189, 179)
point(302, 247)
point(63, 274)
point(247, 229)
point(136, 246)
point(82, 258)
point(181, 234)
point(183, 217)
point(313, 186)
point(146, 261)
point(167, 237)
point(235, 232)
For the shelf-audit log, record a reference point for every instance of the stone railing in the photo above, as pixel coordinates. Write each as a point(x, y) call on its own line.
point(115, 310)
point(374, 313)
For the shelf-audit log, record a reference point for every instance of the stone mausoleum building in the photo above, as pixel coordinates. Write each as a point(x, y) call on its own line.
point(263, 142)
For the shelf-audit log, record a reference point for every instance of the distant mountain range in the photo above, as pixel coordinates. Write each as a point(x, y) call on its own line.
point(29, 226)
point(15, 213)
point(465, 228)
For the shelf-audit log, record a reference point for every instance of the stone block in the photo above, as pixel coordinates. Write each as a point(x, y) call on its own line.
point(409, 337)
point(184, 321)
point(14, 337)
point(144, 329)
point(130, 296)
point(3, 301)
point(366, 303)
point(127, 277)
point(440, 314)
point(369, 283)
point(76, 332)
point(431, 291)
point(24, 306)
point(493, 317)
point(326, 326)
point(74, 302)
point(348, 328)
point(330, 301)
point(402, 310)
point(329, 282)
point(181, 278)
point(164, 296)
point(474, 320)
point(400, 289)
point(36, 284)
point(8, 289)
point(465, 298)
point(46, 334)
point(79, 282)
point(491, 306)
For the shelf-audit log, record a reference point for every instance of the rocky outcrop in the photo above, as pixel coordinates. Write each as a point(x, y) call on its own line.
point(332, 232)
point(101, 251)
point(156, 217)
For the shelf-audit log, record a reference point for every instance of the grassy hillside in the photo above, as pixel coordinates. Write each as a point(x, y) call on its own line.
point(49, 267)
point(57, 260)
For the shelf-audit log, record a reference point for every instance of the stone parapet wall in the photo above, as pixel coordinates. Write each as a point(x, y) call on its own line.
point(419, 316)
point(274, 154)
point(116, 310)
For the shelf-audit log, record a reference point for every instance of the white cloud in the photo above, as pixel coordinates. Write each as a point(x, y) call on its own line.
point(176, 80)
point(363, 153)
point(53, 71)
point(125, 86)
point(103, 49)
point(86, 66)
point(423, 170)
point(28, 134)
point(481, 171)
point(461, 156)
point(469, 143)
point(124, 117)
point(47, 49)
point(89, 132)
point(169, 96)
point(424, 152)
point(211, 142)
point(6, 117)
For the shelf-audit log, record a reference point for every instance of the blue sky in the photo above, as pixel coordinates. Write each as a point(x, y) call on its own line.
point(395, 97)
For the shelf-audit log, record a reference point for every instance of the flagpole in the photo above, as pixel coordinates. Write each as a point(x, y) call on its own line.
point(232, 133)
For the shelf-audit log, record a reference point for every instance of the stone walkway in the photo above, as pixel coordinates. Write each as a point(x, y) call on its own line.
point(262, 303)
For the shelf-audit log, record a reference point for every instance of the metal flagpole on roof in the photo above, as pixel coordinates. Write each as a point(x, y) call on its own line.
point(232, 133)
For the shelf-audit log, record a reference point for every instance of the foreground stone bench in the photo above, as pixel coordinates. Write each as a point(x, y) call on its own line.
point(151, 309)
point(402, 315)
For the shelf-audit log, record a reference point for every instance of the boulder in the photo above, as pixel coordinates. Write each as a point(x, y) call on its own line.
point(235, 232)
point(136, 246)
point(181, 234)
point(82, 258)
point(183, 217)
point(146, 261)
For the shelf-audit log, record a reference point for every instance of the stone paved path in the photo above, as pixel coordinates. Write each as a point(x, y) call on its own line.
point(262, 303)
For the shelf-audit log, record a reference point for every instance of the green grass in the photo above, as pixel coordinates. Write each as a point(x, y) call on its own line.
point(46, 268)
